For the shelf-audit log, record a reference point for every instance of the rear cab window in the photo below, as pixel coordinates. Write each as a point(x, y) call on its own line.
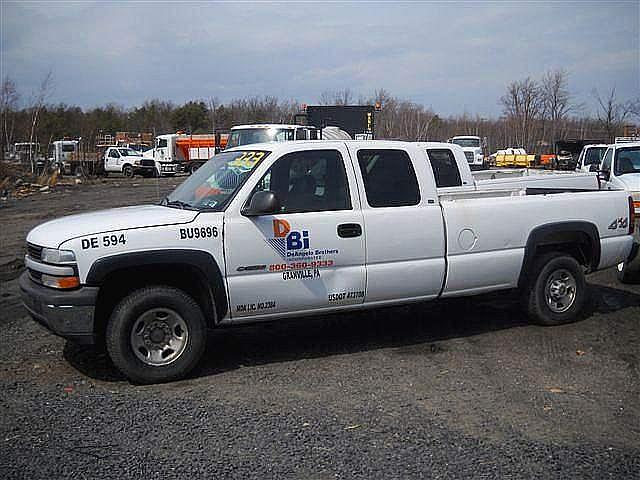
point(389, 178)
point(444, 167)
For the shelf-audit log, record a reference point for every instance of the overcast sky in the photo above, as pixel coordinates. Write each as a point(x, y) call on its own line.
point(453, 57)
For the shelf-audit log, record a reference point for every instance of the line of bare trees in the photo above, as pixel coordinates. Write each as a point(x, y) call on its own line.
point(535, 114)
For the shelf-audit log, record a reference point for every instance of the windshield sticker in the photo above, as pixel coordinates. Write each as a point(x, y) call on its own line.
point(247, 160)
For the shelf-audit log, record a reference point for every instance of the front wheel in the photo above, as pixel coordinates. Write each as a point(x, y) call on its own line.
point(556, 291)
point(127, 171)
point(156, 334)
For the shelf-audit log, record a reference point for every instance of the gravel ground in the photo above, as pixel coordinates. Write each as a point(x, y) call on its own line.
point(462, 388)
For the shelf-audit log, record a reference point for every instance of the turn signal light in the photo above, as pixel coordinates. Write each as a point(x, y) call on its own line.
point(63, 283)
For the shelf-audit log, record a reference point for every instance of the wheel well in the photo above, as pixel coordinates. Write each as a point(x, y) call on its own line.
point(579, 240)
point(122, 282)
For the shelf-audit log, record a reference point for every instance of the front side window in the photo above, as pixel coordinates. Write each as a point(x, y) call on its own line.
point(445, 169)
point(215, 183)
point(127, 152)
point(308, 181)
point(627, 161)
point(162, 142)
point(389, 178)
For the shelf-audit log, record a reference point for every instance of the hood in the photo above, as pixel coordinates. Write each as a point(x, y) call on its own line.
point(53, 233)
point(631, 181)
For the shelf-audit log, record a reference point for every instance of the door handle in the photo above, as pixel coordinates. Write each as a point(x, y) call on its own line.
point(349, 230)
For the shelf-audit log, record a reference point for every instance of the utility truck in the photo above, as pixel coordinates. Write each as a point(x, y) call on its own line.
point(473, 148)
point(180, 152)
point(276, 132)
point(292, 229)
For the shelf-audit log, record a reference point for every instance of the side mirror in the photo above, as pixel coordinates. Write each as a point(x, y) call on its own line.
point(262, 203)
point(593, 167)
point(604, 175)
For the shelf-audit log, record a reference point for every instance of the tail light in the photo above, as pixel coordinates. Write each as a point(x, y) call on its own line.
point(632, 216)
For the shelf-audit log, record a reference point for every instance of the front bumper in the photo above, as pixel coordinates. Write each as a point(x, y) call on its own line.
point(68, 314)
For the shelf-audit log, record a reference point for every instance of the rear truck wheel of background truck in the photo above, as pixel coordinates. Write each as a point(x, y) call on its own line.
point(629, 271)
point(556, 291)
point(127, 171)
point(156, 334)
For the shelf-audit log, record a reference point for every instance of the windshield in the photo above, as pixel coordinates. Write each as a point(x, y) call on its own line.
point(594, 155)
point(627, 161)
point(466, 142)
point(68, 147)
point(215, 183)
point(247, 136)
point(127, 152)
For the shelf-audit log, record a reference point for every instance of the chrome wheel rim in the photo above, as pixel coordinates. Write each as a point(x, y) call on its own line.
point(159, 336)
point(560, 291)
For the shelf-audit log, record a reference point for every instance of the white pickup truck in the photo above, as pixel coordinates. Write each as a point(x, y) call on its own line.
point(290, 229)
point(128, 162)
point(620, 170)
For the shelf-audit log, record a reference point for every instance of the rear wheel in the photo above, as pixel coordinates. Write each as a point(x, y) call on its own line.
point(156, 334)
point(556, 291)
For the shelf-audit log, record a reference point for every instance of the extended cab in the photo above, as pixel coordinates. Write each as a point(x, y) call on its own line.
point(291, 229)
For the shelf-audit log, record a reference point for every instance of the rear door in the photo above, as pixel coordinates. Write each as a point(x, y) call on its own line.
point(311, 255)
point(405, 232)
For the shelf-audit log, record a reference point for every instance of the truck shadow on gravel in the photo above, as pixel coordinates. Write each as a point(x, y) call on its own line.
point(419, 328)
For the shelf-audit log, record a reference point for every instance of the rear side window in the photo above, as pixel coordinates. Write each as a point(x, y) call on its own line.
point(445, 168)
point(389, 178)
point(301, 134)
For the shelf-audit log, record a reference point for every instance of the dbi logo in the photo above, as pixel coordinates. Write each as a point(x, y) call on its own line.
point(286, 239)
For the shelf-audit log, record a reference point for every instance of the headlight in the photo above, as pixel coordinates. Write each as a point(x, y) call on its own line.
point(53, 255)
point(136, 162)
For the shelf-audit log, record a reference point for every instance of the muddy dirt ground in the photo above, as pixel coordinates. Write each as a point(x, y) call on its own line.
point(458, 389)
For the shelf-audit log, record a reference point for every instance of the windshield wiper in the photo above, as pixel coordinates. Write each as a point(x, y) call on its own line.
point(177, 203)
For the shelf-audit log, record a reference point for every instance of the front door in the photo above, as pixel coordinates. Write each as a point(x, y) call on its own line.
point(311, 255)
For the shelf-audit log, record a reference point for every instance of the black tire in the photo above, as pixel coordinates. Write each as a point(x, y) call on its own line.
point(127, 171)
point(629, 272)
point(549, 272)
point(132, 311)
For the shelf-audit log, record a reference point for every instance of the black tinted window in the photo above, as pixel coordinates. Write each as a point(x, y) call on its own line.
point(309, 181)
point(445, 169)
point(301, 134)
point(389, 178)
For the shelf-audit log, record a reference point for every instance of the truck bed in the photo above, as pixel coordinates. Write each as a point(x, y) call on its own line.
point(525, 177)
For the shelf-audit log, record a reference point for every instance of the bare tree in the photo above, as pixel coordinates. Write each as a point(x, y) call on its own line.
point(612, 113)
point(522, 105)
point(8, 104)
point(38, 101)
point(338, 97)
point(556, 100)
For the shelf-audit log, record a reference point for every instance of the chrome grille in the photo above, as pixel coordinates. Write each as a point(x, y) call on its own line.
point(469, 156)
point(34, 251)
